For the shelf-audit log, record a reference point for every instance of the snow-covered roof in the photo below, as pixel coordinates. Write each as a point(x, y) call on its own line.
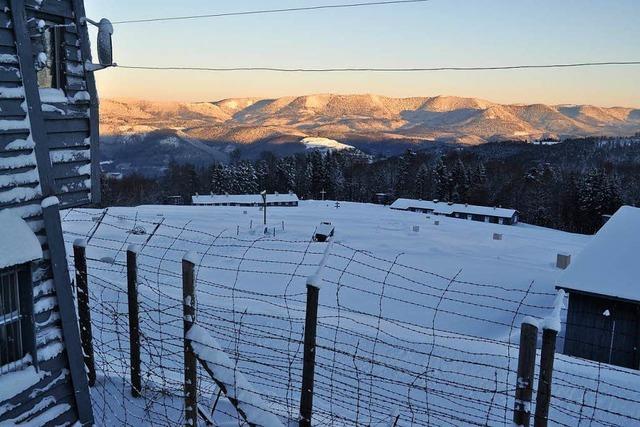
point(609, 265)
point(18, 244)
point(445, 208)
point(242, 198)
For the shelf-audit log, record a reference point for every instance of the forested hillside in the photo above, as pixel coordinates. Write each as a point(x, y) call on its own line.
point(569, 185)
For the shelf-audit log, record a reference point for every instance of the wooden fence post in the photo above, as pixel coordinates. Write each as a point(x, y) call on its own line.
point(308, 367)
point(543, 397)
point(264, 206)
point(84, 312)
point(190, 361)
point(526, 370)
point(134, 320)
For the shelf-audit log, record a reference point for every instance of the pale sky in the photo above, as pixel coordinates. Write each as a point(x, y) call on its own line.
point(436, 33)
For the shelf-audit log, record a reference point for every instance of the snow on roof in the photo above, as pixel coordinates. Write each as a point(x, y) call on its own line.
point(446, 209)
point(608, 265)
point(243, 198)
point(19, 244)
point(324, 229)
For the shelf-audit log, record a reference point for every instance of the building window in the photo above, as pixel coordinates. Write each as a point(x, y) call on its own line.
point(16, 335)
point(48, 48)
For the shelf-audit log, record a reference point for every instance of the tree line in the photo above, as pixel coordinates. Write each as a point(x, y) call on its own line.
point(567, 186)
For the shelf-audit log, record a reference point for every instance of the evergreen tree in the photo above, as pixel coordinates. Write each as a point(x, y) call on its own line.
point(232, 179)
point(246, 177)
point(598, 195)
point(459, 182)
point(537, 192)
point(441, 181)
point(478, 191)
point(568, 203)
point(335, 177)
point(405, 180)
point(303, 184)
point(262, 174)
point(286, 174)
point(217, 179)
point(319, 177)
point(423, 183)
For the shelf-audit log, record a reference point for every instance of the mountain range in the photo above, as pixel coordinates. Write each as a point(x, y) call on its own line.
point(374, 124)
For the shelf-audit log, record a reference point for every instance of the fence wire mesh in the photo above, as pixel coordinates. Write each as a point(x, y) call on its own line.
point(394, 341)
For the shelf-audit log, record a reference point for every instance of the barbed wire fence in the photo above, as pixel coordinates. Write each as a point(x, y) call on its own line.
point(396, 344)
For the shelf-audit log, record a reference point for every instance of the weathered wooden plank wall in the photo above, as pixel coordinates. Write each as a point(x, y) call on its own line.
point(66, 168)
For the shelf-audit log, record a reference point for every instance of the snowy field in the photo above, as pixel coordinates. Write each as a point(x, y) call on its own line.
point(420, 324)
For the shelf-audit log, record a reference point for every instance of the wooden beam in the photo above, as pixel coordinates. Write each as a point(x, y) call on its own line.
point(32, 96)
point(67, 310)
point(526, 371)
point(51, 216)
point(190, 360)
point(94, 103)
point(543, 397)
point(309, 357)
point(84, 311)
point(134, 322)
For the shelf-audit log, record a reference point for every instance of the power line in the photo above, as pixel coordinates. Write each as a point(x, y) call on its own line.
point(270, 11)
point(383, 70)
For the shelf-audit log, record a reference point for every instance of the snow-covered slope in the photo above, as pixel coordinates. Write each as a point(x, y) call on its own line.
point(324, 144)
point(422, 322)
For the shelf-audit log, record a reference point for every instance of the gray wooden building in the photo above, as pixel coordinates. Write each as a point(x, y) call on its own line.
point(603, 316)
point(495, 215)
point(245, 200)
point(48, 161)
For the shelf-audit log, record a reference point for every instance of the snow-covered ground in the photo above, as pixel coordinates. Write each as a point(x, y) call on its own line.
point(324, 144)
point(422, 323)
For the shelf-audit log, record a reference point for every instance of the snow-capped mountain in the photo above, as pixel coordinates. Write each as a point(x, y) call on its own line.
point(355, 117)
point(373, 124)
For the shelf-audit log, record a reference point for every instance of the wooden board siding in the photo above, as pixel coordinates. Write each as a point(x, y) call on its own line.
point(68, 123)
point(54, 389)
point(64, 139)
point(589, 332)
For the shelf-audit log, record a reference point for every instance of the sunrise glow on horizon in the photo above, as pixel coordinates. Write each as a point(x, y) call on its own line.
point(436, 33)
